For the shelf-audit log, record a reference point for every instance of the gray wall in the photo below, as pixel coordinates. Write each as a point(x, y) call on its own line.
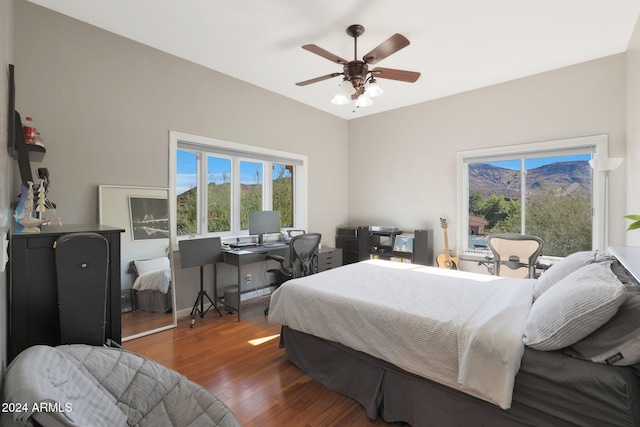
point(409, 155)
point(633, 132)
point(6, 164)
point(104, 106)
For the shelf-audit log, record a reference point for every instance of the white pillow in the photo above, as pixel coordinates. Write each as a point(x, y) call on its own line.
point(574, 307)
point(155, 264)
point(561, 269)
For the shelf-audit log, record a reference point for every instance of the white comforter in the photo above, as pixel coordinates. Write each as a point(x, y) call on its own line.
point(460, 329)
point(158, 280)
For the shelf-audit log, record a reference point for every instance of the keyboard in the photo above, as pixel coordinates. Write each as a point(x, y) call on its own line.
point(274, 244)
point(242, 245)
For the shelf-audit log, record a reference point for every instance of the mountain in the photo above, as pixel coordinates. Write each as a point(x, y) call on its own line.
point(567, 176)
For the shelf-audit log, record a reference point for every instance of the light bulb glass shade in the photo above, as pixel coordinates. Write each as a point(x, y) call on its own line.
point(373, 90)
point(347, 88)
point(363, 101)
point(340, 99)
point(606, 165)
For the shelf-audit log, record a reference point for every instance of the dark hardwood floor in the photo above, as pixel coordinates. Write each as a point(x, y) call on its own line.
point(135, 322)
point(241, 364)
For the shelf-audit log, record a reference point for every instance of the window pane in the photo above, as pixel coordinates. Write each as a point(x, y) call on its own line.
point(283, 193)
point(558, 209)
point(494, 200)
point(218, 194)
point(251, 175)
point(186, 192)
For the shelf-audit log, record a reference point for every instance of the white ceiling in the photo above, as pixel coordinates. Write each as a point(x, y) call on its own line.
point(457, 45)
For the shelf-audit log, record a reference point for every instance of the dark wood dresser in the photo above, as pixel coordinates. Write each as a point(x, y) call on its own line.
point(33, 292)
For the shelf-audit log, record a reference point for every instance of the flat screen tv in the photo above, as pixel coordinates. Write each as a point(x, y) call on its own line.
point(264, 222)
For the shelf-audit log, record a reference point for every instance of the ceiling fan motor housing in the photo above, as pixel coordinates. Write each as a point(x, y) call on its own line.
point(356, 72)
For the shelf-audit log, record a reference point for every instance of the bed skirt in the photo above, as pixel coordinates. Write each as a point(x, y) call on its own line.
point(153, 301)
point(396, 395)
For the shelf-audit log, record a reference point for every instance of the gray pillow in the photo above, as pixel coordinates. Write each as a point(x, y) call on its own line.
point(561, 269)
point(617, 342)
point(574, 307)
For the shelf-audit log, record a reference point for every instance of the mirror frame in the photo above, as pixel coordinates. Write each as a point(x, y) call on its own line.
point(113, 202)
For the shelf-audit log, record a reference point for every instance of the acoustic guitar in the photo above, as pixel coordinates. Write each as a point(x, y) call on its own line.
point(445, 260)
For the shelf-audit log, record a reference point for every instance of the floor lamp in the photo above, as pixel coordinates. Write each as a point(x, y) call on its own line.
point(198, 253)
point(605, 166)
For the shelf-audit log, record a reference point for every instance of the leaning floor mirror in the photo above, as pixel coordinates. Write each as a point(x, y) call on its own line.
point(147, 297)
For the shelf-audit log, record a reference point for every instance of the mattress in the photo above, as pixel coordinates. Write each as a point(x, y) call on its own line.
point(462, 330)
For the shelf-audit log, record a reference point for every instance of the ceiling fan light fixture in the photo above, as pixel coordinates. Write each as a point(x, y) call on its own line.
point(346, 88)
point(340, 99)
point(363, 101)
point(373, 89)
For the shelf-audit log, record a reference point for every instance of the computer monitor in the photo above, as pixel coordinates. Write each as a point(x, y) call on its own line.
point(264, 222)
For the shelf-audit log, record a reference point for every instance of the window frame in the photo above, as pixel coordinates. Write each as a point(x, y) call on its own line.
point(598, 145)
point(237, 152)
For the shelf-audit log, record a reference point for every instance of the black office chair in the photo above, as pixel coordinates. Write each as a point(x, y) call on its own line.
point(303, 259)
point(515, 251)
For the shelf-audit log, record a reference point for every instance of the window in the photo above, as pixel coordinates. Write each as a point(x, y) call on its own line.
point(545, 189)
point(214, 185)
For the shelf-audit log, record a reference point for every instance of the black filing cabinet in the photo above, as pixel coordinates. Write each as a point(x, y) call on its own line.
point(354, 243)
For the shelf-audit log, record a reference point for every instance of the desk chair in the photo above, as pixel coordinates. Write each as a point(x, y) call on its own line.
point(303, 259)
point(515, 251)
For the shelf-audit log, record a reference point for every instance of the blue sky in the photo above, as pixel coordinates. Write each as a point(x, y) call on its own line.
point(250, 172)
point(537, 162)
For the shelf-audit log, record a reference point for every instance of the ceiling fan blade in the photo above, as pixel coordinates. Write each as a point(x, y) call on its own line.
point(318, 79)
point(393, 74)
point(386, 48)
point(324, 53)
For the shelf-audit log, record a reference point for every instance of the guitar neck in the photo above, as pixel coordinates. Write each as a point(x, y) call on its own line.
point(446, 245)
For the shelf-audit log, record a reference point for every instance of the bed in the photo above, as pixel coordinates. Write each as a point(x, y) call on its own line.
point(435, 347)
point(152, 290)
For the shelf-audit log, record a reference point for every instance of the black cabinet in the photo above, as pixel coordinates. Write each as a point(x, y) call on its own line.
point(33, 290)
point(354, 243)
point(360, 243)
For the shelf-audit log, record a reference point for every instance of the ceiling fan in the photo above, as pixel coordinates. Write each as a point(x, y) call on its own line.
point(359, 82)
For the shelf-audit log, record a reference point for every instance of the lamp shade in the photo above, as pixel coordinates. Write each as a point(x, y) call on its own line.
point(340, 99)
point(606, 165)
point(373, 89)
point(347, 88)
point(363, 101)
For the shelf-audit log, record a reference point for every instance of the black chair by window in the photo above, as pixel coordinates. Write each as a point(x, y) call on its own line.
point(302, 260)
point(516, 252)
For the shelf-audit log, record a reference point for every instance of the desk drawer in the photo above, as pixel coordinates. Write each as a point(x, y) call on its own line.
point(328, 259)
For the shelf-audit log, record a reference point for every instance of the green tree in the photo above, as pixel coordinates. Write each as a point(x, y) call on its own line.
point(501, 213)
point(475, 202)
point(563, 221)
point(283, 194)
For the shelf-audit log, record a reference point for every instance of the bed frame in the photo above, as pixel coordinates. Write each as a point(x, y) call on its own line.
point(551, 389)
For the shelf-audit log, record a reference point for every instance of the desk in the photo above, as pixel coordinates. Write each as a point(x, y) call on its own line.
point(327, 258)
point(244, 256)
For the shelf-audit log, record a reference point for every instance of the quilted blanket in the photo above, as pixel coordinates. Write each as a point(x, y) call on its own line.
point(463, 330)
point(101, 386)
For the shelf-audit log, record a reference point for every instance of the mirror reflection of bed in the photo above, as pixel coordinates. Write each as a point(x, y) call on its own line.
point(148, 304)
point(143, 212)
